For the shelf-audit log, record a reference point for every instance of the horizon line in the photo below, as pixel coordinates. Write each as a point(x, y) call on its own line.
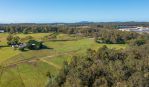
point(67, 22)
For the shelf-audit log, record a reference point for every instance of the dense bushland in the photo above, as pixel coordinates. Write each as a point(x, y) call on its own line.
point(111, 36)
point(106, 68)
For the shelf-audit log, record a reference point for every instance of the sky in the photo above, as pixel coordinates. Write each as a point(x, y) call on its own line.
point(48, 11)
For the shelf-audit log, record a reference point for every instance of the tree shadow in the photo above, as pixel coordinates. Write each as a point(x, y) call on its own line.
point(4, 46)
point(45, 47)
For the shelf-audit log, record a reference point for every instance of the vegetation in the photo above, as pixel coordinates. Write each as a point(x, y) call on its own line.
point(137, 42)
point(33, 65)
point(115, 37)
point(34, 45)
point(13, 40)
point(106, 68)
point(122, 62)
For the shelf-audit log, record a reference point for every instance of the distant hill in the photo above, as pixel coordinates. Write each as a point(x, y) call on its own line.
point(129, 23)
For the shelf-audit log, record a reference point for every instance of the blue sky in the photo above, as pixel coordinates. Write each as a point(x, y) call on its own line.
point(47, 11)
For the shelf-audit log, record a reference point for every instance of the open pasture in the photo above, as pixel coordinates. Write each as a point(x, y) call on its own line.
point(29, 68)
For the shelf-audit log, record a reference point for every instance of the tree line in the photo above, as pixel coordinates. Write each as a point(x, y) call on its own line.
point(112, 36)
point(102, 32)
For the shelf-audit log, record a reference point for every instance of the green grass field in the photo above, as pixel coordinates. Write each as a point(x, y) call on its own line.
point(28, 69)
point(7, 52)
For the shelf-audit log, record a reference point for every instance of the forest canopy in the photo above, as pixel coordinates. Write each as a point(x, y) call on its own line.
point(106, 68)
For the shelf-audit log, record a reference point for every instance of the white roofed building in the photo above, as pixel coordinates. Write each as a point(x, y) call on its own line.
point(2, 31)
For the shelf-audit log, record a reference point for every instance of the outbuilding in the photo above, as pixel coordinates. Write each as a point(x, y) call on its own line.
point(2, 31)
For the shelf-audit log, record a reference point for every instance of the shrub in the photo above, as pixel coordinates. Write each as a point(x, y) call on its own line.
point(34, 45)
